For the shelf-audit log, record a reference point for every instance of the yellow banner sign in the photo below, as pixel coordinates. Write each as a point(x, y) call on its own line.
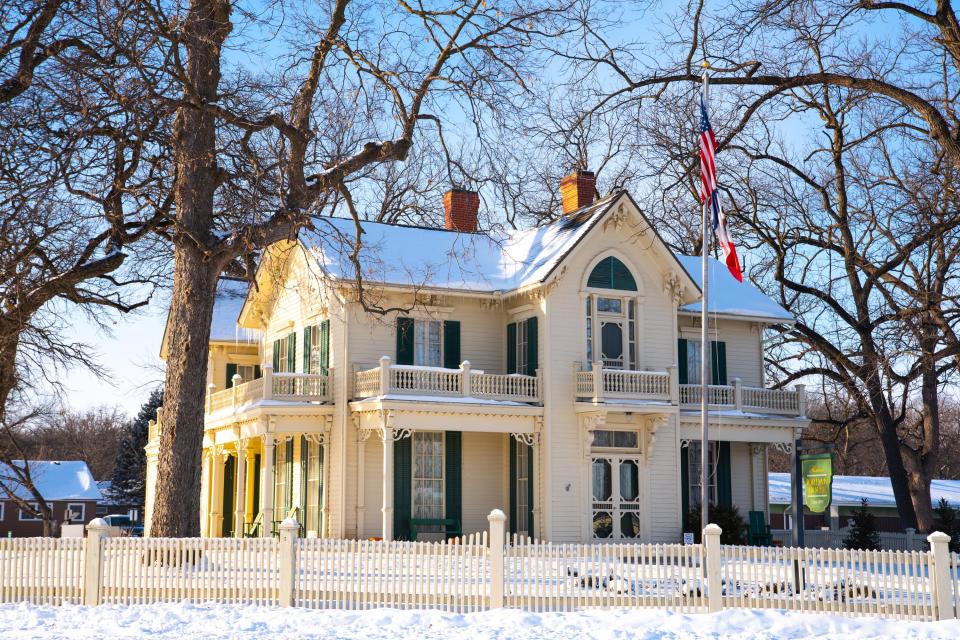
point(817, 470)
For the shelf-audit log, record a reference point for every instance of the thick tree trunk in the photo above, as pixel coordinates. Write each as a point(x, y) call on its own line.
point(924, 462)
point(196, 268)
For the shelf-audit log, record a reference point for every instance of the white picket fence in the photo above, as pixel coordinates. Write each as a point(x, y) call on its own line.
point(475, 573)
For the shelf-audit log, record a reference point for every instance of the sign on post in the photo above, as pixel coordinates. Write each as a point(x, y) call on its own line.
point(817, 472)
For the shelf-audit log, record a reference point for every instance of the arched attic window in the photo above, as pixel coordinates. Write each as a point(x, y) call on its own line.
point(611, 273)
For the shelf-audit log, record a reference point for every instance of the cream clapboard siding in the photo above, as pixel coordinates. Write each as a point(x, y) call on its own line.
point(485, 456)
point(741, 477)
point(565, 325)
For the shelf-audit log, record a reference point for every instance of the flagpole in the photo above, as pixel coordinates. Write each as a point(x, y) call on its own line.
point(704, 353)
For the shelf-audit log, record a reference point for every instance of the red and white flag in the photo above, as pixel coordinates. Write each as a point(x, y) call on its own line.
point(709, 192)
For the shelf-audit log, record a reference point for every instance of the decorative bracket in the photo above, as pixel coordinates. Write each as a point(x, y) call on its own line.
point(529, 439)
point(783, 447)
point(757, 448)
point(395, 434)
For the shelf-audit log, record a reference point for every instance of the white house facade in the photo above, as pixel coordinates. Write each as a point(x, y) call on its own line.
point(552, 373)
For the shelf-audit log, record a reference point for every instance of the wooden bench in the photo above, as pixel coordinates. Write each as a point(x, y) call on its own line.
point(451, 526)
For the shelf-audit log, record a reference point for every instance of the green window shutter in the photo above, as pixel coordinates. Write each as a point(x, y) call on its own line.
point(611, 273)
point(532, 353)
point(530, 480)
point(292, 352)
point(682, 361)
point(453, 472)
point(231, 371)
point(256, 485)
point(451, 344)
point(404, 340)
point(724, 480)
point(324, 347)
point(288, 486)
point(229, 493)
point(307, 346)
point(304, 467)
point(513, 483)
point(512, 347)
point(256, 372)
point(402, 487)
point(684, 482)
point(276, 356)
point(718, 362)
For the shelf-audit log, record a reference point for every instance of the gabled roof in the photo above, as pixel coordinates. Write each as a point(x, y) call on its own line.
point(483, 262)
point(495, 262)
point(848, 490)
point(54, 479)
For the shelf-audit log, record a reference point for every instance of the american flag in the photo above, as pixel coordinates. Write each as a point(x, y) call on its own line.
point(709, 192)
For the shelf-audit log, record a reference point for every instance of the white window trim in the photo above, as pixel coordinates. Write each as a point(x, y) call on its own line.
point(83, 511)
point(3, 506)
point(596, 317)
point(29, 518)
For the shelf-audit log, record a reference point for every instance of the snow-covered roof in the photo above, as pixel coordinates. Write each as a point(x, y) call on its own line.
point(226, 309)
point(55, 480)
point(484, 262)
point(848, 490)
point(729, 297)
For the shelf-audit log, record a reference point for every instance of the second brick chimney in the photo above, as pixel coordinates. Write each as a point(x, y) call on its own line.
point(460, 210)
point(578, 189)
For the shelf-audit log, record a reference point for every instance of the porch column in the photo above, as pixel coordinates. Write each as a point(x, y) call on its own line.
point(216, 487)
point(362, 436)
point(251, 462)
point(205, 494)
point(266, 487)
point(240, 501)
point(387, 522)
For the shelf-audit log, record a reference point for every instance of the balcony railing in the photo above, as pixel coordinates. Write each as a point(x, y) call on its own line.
point(288, 387)
point(463, 382)
point(600, 385)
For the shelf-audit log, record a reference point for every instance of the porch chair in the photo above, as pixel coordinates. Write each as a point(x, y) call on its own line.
point(451, 526)
point(760, 535)
point(252, 529)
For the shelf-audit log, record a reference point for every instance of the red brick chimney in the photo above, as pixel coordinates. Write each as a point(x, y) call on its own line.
point(578, 189)
point(460, 210)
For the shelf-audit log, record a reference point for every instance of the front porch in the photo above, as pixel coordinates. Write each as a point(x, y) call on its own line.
point(417, 467)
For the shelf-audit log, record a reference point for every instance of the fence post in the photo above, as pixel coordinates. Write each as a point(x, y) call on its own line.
point(711, 549)
point(497, 521)
point(465, 384)
point(942, 587)
point(738, 394)
point(289, 533)
point(911, 539)
point(384, 375)
point(801, 400)
point(210, 389)
point(97, 530)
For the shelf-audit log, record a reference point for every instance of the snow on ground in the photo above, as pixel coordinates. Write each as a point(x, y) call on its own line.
point(214, 621)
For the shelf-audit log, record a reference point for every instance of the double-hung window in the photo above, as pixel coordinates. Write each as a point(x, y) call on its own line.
point(694, 466)
point(75, 512)
point(428, 479)
point(26, 516)
point(428, 343)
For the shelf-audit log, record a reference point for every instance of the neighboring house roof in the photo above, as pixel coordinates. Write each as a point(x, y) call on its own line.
point(54, 479)
point(729, 297)
point(848, 491)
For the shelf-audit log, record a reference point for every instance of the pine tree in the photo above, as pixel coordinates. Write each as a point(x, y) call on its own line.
point(130, 473)
point(863, 534)
point(947, 521)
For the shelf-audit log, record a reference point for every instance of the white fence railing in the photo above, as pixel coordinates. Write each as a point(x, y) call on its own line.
point(600, 384)
point(290, 387)
point(474, 573)
point(833, 539)
point(413, 380)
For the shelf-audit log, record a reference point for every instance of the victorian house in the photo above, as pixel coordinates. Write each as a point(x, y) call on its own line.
point(552, 373)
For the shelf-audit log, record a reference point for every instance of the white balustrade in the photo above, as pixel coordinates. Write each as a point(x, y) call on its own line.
point(412, 380)
point(289, 387)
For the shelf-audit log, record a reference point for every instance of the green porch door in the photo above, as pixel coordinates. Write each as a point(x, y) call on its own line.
point(229, 495)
